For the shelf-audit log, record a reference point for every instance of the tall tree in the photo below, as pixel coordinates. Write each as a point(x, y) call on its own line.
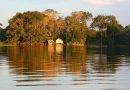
point(27, 27)
point(101, 22)
point(51, 13)
point(82, 16)
point(35, 27)
point(113, 34)
point(53, 23)
point(0, 32)
point(77, 26)
point(127, 27)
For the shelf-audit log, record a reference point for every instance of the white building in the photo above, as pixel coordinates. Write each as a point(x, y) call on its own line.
point(59, 41)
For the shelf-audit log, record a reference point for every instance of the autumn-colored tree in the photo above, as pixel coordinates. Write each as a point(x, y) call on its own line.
point(27, 27)
point(38, 27)
point(51, 13)
point(55, 25)
point(76, 26)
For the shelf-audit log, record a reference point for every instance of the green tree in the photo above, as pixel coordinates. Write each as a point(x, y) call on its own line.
point(113, 34)
point(92, 36)
point(124, 36)
point(102, 22)
point(2, 34)
point(127, 27)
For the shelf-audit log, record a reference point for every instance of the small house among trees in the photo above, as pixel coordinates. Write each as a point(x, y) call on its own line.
point(50, 42)
point(59, 41)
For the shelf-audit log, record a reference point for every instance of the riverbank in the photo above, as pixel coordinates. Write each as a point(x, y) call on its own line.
point(68, 44)
point(4, 44)
point(36, 44)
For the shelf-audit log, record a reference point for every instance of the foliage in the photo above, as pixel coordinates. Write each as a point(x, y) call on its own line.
point(102, 22)
point(127, 27)
point(38, 27)
point(2, 34)
point(113, 33)
point(124, 37)
point(76, 26)
point(110, 29)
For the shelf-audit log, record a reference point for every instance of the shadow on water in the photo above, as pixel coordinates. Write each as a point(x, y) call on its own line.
point(109, 59)
point(3, 51)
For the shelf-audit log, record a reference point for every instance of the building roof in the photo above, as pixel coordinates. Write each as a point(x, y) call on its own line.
point(60, 41)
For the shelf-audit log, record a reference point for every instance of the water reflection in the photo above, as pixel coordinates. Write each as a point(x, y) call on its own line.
point(76, 60)
point(48, 60)
point(59, 66)
point(32, 60)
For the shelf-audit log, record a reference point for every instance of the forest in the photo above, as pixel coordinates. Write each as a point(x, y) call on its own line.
point(80, 27)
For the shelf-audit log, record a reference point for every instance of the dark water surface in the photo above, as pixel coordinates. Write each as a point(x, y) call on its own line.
point(64, 68)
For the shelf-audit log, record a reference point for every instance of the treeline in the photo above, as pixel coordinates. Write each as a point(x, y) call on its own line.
point(39, 27)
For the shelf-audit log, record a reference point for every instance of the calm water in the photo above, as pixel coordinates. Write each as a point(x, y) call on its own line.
point(64, 68)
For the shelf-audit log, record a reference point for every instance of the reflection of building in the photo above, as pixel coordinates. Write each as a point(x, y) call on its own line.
point(51, 52)
point(59, 52)
point(59, 48)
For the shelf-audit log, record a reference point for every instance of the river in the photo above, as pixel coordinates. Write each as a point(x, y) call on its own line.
point(64, 68)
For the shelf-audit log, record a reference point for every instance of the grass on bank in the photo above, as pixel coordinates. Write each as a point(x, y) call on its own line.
point(4, 44)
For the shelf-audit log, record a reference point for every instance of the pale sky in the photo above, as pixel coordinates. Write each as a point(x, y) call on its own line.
point(118, 8)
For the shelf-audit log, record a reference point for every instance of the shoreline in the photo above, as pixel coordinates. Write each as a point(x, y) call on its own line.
point(38, 44)
point(43, 44)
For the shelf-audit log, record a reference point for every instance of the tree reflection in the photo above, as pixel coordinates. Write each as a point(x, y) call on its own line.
point(76, 59)
point(34, 59)
point(52, 60)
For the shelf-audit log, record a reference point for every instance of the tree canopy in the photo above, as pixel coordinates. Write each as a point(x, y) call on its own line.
point(77, 27)
point(2, 33)
point(103, 21)
point(34, 27)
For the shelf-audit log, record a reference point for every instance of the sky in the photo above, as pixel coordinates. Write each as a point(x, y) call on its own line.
point(118, 8)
